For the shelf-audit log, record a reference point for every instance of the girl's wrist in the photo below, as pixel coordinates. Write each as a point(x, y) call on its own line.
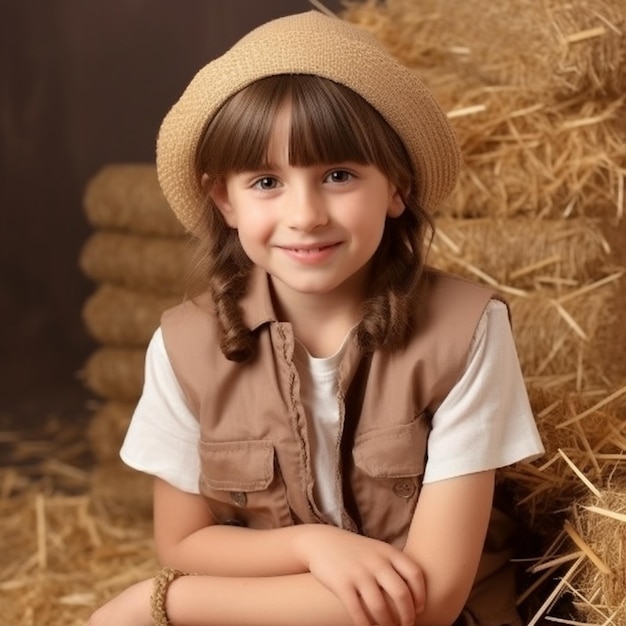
point(308, 540)
point(301, 543)
point(158, 599)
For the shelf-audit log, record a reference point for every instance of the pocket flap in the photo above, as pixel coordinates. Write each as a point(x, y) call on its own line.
point(395, 452)
point(237, 465)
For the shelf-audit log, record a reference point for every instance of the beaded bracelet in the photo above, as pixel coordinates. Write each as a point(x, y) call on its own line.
point(160, 586)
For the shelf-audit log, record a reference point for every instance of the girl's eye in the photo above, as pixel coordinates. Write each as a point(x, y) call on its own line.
point(266, 183)
point(339, 176)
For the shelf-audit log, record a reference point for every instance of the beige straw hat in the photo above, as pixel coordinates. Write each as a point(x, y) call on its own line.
point(308, 43)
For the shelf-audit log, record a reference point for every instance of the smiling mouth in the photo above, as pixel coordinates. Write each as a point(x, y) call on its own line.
point(308, 250)
point(311, 254)
point(310, 247)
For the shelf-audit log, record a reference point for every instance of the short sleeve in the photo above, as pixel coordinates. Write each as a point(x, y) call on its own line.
point(486, 421)
point(162, 438)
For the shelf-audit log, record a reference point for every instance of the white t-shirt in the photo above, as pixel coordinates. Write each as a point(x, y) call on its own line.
point(318, 394)
point(484, 423)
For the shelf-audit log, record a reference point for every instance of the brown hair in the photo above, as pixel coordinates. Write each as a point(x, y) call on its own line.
point(329, 124)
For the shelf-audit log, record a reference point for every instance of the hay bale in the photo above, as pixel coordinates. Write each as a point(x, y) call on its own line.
point(521, 254)
point(612, 338)
point(552, 46)
point(107, 429)
point(584, 434)
point(563, 291)
point(585, 437)
point(557, 330)
point(127, 197)
point(579, 429)
point(154, 264)
point(115, 373)
point(116, 316)
point(585, 562)
point(526, 157)
point(529, 149)
point(600, 522)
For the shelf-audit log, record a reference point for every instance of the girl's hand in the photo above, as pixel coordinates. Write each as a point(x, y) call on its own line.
point(376, 583)
point(129, 608)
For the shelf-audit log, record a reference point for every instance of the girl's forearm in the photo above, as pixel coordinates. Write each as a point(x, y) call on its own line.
point(232, 551)
point(269, 601)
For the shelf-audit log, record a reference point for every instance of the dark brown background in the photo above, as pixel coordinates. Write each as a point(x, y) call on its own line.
point(82, 83)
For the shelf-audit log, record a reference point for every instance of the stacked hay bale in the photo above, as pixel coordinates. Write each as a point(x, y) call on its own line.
point(535, 91)
point(137, 258)
point(536, 94)
point(575, 497)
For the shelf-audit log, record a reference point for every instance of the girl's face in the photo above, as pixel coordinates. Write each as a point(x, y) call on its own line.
point(313, 228)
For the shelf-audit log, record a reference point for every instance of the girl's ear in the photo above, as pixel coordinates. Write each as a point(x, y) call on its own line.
point(396, 203)
point(216, 190)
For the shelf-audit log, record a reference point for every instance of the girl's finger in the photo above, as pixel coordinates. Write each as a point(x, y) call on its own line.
point(353, 605)
point(413, 576)
point(399, 596)
point(375, 604)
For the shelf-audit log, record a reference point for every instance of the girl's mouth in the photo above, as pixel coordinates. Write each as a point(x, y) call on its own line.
point(311, 254)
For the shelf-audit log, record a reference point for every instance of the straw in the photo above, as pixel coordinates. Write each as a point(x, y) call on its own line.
point(555, 46)
point(561, 331)
point(543, 134)
point(522, 253)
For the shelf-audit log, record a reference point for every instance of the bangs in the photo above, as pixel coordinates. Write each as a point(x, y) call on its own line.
point(329, 124)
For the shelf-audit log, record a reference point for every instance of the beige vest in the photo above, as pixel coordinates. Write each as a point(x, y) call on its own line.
point(254, 448)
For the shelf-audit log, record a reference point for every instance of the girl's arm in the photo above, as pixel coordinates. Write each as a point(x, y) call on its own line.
point(446, 539)
point(233, 601)
point(366, 575)
point(187, 538)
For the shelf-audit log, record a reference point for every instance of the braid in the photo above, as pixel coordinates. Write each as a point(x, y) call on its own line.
point(397, 272)
point(236, 340)
point(221, 267)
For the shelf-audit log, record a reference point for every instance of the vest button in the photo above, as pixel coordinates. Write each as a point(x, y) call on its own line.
point(239, 498)
point(404, 489)
point(234, 522)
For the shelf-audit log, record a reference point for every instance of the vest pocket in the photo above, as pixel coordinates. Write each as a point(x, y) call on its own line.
point(242, 484)
point(393, 452)
point(387, 478)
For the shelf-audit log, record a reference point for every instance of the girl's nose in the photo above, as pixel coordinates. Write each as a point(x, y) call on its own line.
point(306, 211)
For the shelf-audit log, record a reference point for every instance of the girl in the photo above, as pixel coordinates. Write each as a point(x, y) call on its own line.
point(325, 419)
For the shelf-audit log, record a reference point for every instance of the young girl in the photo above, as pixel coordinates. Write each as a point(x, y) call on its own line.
point(325, 419)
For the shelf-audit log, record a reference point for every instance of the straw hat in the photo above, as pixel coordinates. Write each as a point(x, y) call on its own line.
point(308, 43)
